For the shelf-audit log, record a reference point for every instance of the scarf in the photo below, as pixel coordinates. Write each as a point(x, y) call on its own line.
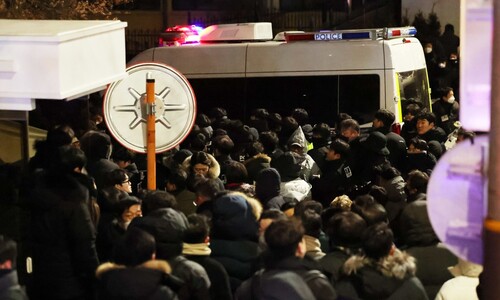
point(196, 249)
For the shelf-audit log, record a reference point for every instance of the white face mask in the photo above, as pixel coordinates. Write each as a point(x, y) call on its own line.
point(428, 50)
point(451, 99)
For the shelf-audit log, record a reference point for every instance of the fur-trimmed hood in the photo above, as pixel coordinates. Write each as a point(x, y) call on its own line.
point(399, 265)
point(214, 170)
point(158, 265)
point(141, 282)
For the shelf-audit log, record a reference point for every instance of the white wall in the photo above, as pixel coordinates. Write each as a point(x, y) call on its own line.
point(448, 11)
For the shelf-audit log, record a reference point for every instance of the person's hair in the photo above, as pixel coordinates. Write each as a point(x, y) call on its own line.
point(290, 204)
point(341, 117)
point(134, 248)
point(198, 229)
point(444, 91)
point(269, 140)
point(349, 124)
point(346, 229)
point(372, 213)
point(426, 115)
point(311, 220)
point(289, 125)
point(236, 172)
point(449, 28)
point(203, 120)
point(217, 113)
point(200, 157)
point(61, 135)
point(275, 121)
point(125, 203)
point(418, 180)
point(273, 213)
point(322, 129)
point(342, 203)
point(386, 116)
point(302, 206)
point(341, 147)
point(154, 200)
point(123, 154)
point(71, 158)
point(283, 236)
point(254, 148)
point(260, 113)
point(419, 144)
point(223, 143)
point(301, 116)
point(387, 171)
point(413, 108)
point(179, 178)
point(377, 241)
point(117, 176)
point(208, 188)
point(363, 200)
point(8, 250)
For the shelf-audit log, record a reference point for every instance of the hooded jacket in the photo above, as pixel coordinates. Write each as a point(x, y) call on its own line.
point(147, 281)
point(391, 277)
point(213, 172)
point(267, 188)
point(255, 164)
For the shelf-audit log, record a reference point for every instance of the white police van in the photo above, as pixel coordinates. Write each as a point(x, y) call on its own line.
point(241, 67)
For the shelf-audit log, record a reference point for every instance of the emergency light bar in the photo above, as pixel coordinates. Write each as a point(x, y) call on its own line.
point(362, 34)
point(399, 32)
point(262, 31)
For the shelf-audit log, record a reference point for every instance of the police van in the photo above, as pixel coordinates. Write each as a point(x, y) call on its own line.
point(242, 67)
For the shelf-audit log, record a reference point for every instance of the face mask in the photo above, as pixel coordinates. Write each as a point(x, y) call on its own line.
point(451, 99)
point(428, 50)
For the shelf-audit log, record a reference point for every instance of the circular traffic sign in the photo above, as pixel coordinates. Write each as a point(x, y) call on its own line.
point(457, 198)
point(126, 110)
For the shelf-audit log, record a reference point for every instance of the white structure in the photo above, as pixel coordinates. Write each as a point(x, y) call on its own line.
point(49, 59)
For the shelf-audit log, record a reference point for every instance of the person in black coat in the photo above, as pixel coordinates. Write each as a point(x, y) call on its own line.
point(336, 176)
point(285, 253)
point(195, 248)
point(168, 226)
point(61, 235)
point(321, 135)
point(135, 273)
point(344, 230)
point(395, 143)
point(446, 109)
point(267, 188)
point(383, 272)
point(427, 129)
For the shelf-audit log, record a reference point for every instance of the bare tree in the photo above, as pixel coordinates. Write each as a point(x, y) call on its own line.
point(58, 9)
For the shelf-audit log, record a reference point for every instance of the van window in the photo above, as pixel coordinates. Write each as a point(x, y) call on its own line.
point(414, 85)
point(324, 97)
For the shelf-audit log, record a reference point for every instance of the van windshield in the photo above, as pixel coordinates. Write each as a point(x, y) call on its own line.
point(413, 85)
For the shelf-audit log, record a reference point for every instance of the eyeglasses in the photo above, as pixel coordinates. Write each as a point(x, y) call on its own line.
point(127, 181)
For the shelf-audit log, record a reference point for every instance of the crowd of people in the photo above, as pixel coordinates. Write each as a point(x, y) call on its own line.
point(269, 208)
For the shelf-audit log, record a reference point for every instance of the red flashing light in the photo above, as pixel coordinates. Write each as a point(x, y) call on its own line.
point(179, 35)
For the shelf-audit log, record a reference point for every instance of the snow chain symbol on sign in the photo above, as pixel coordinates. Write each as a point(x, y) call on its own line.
point(126, 109)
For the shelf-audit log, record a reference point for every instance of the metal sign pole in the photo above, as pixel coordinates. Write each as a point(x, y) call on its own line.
point(151, 133)
point(489, 280)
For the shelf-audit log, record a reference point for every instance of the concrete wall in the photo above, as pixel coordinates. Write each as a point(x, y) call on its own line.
point(10, 135)
point(448, 11)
